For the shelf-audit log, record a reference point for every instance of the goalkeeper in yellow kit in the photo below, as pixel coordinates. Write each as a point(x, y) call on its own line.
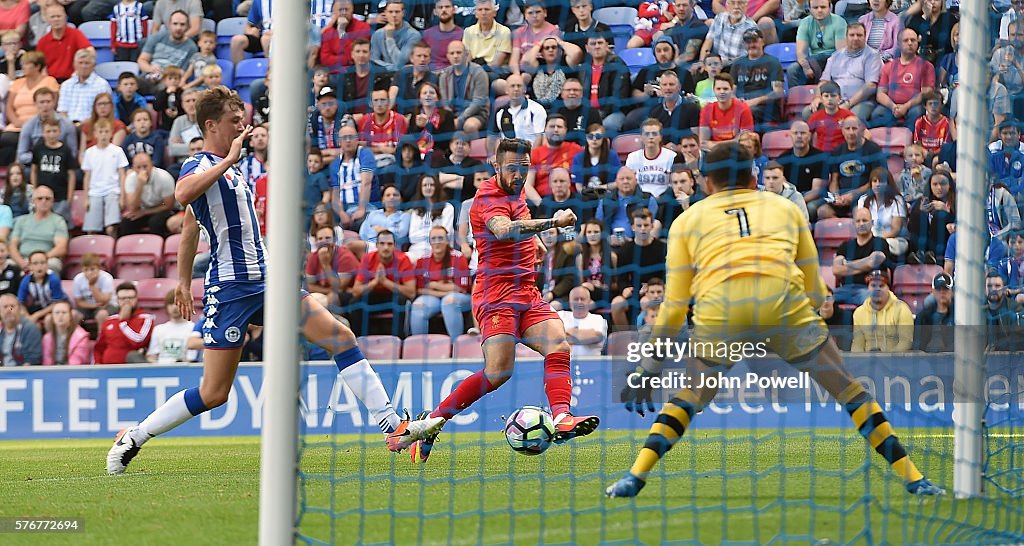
point(748, 261)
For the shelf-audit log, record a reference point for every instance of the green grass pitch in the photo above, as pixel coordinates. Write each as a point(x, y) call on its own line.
point(746, 487)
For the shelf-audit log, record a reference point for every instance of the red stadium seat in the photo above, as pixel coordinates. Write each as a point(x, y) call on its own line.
point(426, 347)
point(892, 139)
point(797, 99)
point(101, 245)
point(618, 342)
point(775, 143)
point(895, 166)
point(198, 285)
point(170, 254)
point(137, 257)
point(829, 233)
point(381, 347)
point(152, 293)
point(828, 276)
point(78, 200)
point(478, 149)
point(913, 283)
point(626, 144)
point(68, 288)
point(468, 347)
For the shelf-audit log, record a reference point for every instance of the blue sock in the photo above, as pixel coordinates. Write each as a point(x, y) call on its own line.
point(349, 357)
point(194, 402)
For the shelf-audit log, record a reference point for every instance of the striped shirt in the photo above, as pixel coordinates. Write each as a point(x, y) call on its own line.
point(260, 13)
point(130, 21)
point(345, 175)
point(228, 215)
point(320, 13)
point(252, 169)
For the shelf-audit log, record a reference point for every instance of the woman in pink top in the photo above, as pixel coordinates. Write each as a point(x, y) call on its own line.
point(20, 105)
point(883, 29)
point(65, 342)
point(14, 15)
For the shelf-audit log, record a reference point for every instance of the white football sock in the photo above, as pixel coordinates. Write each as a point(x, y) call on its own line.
point(361, 378)
point(172, 413)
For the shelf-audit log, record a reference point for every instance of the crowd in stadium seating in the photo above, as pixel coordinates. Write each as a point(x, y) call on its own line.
point(849, 108)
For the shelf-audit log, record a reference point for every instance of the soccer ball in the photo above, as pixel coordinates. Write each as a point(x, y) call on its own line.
point(530, 430)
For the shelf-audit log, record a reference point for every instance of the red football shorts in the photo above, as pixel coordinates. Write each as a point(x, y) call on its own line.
point(511, 318)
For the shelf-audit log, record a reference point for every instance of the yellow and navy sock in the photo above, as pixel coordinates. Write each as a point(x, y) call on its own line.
point(875, 428)
point(669, 426)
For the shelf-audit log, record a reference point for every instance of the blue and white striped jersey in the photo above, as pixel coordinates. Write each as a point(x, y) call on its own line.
point(320, 13)
point(252, 169)
point(228, 215)
point(129, 19)
point(260, 14)
point(345, 175)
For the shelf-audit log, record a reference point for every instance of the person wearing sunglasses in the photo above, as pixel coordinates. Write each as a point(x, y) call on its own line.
point(818, 37)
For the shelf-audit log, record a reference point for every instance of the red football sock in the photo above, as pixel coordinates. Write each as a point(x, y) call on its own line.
point(557, 382)
point(469, 390)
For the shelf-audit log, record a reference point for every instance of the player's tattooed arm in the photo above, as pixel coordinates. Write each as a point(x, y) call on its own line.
point(505, 228)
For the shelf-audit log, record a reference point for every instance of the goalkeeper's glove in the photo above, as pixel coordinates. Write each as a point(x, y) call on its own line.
point(636, 397)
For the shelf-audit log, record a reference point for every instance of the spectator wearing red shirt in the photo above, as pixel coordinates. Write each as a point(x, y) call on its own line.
point(124, 337)
point(385, 282)
point(933, 129)
point(903, 84)
point(60, 44)
point(382, 130)
point(330, 268)
point(442, 285)
point(725, 119)
point(260, 200)
point(554, 153)
point(336, 40)
point(825, 122)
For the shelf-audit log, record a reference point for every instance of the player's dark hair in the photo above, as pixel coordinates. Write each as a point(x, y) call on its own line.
point(729, 166)
point(516, 146)
point(211, 103)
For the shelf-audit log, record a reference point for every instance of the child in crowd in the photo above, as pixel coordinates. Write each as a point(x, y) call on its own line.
point(201, 59)
point(318, 186)
point(53, 166)
point(321, 79)
point(915, 177)
point(168, 99)
point(17, 192)
point(705, 88)
point(933, 129)
point(105, 167)
point(10, 273)
point(93, 290)
point(129, 24)
point(143, 138)
point(212, 76)
point(127, 99)
point(825, 122)
point(40, 288)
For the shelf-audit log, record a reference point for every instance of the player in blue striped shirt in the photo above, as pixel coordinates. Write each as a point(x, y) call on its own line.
point(219, 201)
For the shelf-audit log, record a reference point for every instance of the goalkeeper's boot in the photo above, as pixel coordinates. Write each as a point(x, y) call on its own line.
point(924, 488)
point(568, 426)
point(411, 431)
point(627, 486)
point(420, 449)
point(122, 452)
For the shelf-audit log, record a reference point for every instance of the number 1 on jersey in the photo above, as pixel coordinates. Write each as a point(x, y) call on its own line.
point(741, 217)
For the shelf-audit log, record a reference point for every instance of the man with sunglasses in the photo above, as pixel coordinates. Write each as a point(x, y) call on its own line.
point(40, 231)
point(818, 37)
point(508, 305)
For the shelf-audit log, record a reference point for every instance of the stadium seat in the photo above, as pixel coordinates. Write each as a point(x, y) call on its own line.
point(198, 286)
point(110, 71)
point(775, 143)
point(616, 16)
point(828, 276)
point(68, 286)
point(246, 72)
point(913, 283)
point(78, 200)
point(101, 245)
point(208, 24)
point(137, 257)
point(784, 52)
point(381, 347)
point(226, 28)
point(98, 33)
point(522, 351)
point(478, 149)
point(625, 144)
point(467, 347)
point(152, 293)
point(829, 233)
point(228, 72)
point(618, 342)
point(621, 35)
point(797, 99)
point(169, 257)
point(637, 58)
point(895, 166)
point(892, 139)
point(426, 347)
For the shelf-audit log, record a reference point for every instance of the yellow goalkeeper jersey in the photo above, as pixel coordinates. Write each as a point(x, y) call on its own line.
point(733, 234)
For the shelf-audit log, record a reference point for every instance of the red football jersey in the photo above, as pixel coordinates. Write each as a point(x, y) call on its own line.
point(506, 272)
